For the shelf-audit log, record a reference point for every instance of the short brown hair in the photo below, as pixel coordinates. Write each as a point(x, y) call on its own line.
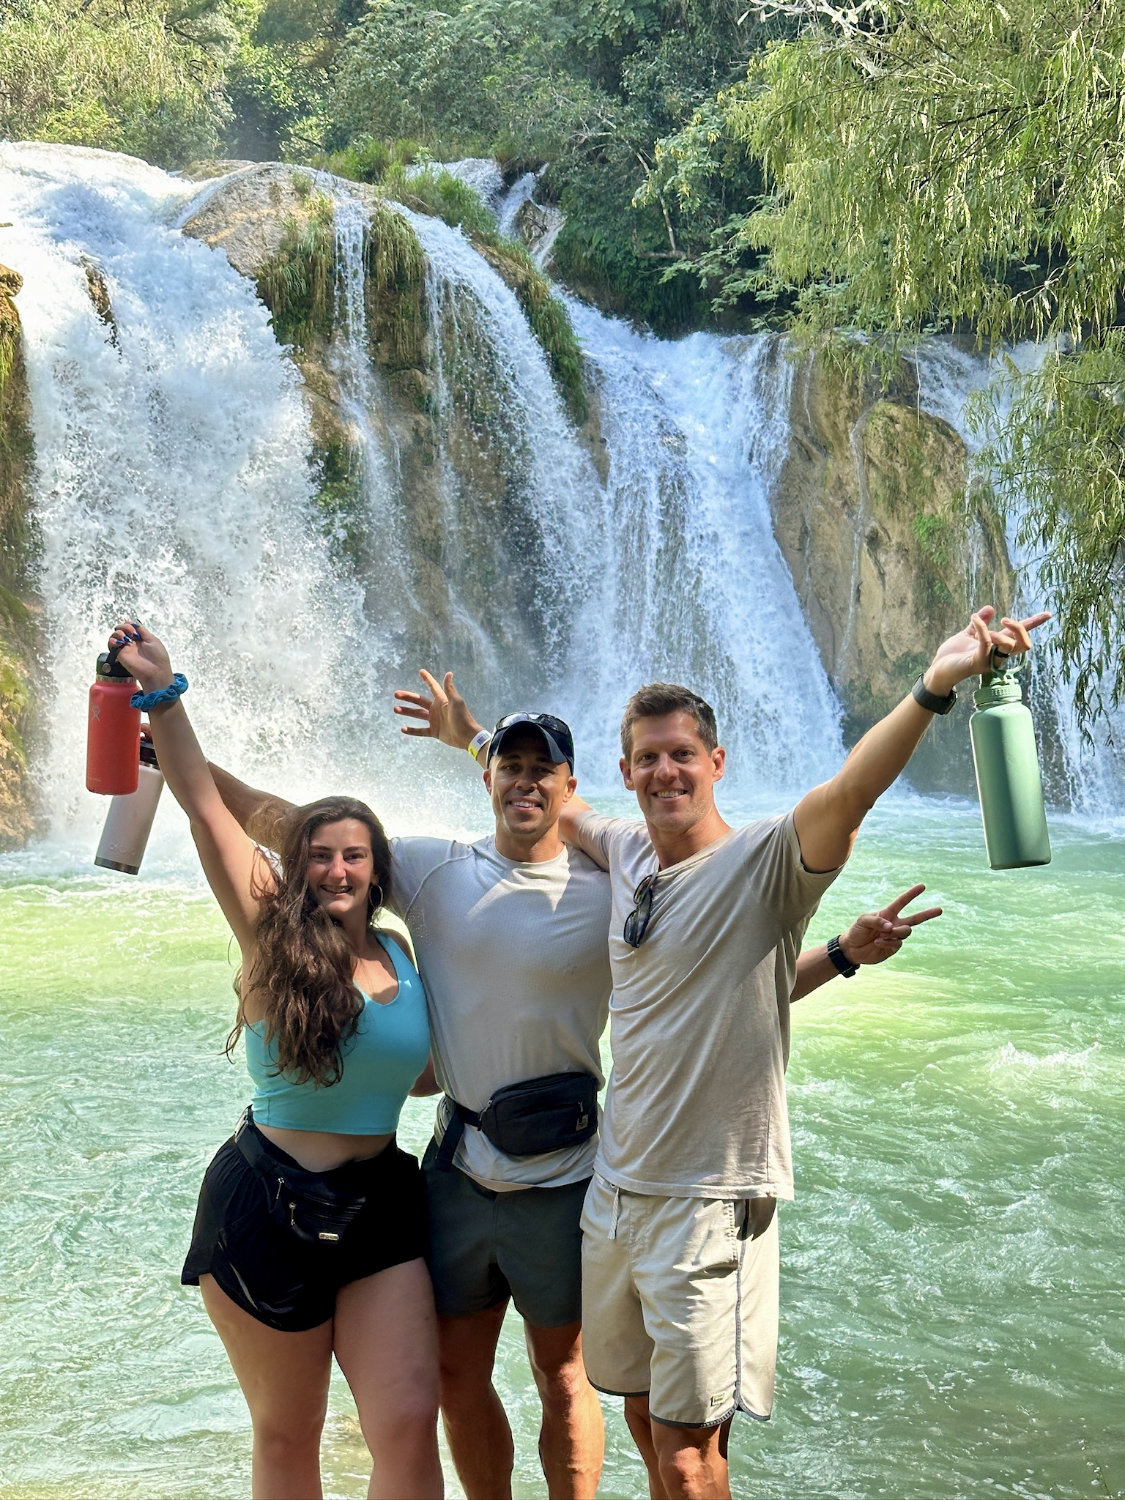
point(660, 698)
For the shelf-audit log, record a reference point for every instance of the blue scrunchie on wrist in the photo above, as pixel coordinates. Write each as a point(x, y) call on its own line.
point(168, 694)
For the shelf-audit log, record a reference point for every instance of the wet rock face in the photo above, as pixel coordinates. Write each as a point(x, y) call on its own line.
point(18, 812)
point(458, 470)
point(887, 554)
point(245, 216)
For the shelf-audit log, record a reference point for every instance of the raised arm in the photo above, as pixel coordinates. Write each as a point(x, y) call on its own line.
point(443, 713)
point(828, 818)
point(871, 939)
point(262, 815)
point(233, 866)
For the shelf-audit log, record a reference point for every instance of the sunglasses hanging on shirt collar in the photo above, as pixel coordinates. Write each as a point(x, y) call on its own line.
point(636, 923)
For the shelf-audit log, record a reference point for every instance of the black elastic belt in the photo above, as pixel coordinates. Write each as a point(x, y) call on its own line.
point(460, 1117)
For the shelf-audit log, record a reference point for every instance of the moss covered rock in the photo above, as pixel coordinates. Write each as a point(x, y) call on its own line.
point(890, 545)
point(18, 811)
point(460, 466)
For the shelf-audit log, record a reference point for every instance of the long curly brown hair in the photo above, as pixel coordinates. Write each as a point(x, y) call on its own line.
point(302, 969)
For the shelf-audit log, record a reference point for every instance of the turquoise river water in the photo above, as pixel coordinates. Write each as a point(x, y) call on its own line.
point(952, 1305)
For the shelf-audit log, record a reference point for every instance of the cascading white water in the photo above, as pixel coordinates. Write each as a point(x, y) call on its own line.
point(172, 483)
point(948, 380)
point(171, 480)
point(513, 200)
point(690, 583)
point(361, 398)
point(486, 357)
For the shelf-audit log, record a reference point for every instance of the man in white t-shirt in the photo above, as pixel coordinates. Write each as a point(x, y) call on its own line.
point(680, 1249)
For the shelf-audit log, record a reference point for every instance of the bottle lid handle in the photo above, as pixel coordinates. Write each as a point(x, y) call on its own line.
point(107, 666)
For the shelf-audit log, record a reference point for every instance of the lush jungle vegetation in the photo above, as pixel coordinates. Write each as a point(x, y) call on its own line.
point(885, 167)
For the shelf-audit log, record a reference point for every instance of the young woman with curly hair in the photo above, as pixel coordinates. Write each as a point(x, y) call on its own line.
point(310, 1232)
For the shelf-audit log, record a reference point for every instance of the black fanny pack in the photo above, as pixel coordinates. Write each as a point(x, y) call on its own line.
point(302, 1202)
point(527, 1119)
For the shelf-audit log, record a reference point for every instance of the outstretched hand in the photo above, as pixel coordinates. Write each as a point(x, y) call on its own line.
point(444, 713)
point(969, 652)
point(878, 935)
point(141, 654)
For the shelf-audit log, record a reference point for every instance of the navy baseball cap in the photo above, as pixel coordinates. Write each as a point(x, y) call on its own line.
point(559, 740)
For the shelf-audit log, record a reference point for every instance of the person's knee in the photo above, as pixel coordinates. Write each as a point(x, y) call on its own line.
point(407, 1417)
point(637, 1419)
point(464, 1386)
point(563, 1383)
point(686, 1460)
point(287, 1437)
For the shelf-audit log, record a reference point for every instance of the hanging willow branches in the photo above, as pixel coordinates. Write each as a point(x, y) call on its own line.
point(961, 164)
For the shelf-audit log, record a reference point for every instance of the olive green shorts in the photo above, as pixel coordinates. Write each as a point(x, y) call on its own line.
point(487, 1247)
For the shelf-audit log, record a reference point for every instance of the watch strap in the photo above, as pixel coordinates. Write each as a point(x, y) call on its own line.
point(930, 700)
point(839, 958)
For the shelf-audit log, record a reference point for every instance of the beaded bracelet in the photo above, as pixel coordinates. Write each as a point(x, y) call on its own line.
point(169, 694)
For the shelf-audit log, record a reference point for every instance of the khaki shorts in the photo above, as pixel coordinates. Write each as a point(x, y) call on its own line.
point(679, 1302)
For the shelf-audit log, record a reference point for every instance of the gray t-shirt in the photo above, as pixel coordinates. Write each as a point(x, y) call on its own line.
point(699, 1016)
point(514, 959)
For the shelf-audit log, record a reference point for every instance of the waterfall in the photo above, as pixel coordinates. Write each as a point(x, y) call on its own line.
point(691, 584)
point(494, 384)
point(171, 477)
point(948, 379)
point(172, 483)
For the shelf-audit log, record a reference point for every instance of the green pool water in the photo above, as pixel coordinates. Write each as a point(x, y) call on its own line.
point(953, 1312)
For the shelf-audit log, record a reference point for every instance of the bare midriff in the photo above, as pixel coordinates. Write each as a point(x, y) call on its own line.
point(324, 1150)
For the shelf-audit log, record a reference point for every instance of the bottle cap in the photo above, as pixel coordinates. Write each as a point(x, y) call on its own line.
point(108, 667)
point(1001, 685)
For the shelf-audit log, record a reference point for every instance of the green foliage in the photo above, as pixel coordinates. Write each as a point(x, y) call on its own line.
point(432, 191)
point(590, 89)
point(424, 73)
point(1062, 448)
point(395, 268)
point(141, 76)
point(297, 284)
point(934, 535)
point(366, 159)
point(958, 164)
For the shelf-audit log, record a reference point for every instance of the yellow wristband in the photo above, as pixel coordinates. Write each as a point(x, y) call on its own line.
point(478, 742)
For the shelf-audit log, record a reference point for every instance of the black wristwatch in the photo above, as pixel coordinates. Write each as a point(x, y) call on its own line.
point(839, 959)
point(930, 700)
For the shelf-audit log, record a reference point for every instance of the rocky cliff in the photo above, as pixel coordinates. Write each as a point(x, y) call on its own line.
point(890, 547)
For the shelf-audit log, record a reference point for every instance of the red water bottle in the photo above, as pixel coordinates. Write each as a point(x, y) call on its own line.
point(113, 734)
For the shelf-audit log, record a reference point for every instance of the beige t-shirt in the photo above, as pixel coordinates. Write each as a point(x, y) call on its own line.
point(514, 959)
point(699, 1016)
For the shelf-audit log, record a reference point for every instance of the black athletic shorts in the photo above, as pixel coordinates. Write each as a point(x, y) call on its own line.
point(290, 1283)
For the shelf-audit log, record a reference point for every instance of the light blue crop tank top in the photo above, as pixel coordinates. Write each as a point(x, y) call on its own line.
point(380, 1062)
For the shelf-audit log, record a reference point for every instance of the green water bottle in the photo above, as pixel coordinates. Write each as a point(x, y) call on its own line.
point(1007, 767)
